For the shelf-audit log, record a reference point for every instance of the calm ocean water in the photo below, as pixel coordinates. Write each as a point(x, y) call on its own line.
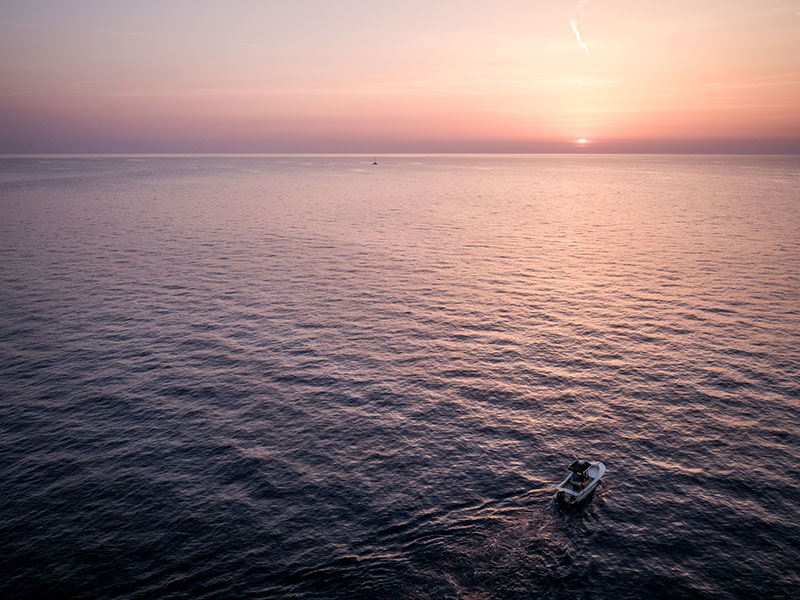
point(275, 377)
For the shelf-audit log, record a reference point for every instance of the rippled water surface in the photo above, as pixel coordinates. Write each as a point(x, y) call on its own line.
point(310, 377)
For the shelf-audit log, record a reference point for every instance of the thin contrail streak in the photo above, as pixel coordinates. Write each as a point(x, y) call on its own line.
point(578, 36)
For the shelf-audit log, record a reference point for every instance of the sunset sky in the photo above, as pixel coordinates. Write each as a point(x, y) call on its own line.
point(411, 76)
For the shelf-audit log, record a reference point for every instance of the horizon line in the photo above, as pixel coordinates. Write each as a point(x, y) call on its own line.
point(369, 154)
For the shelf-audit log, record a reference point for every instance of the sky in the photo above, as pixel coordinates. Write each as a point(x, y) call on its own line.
point(423, 76)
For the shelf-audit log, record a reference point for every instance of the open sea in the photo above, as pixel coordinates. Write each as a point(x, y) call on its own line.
point(312, 377)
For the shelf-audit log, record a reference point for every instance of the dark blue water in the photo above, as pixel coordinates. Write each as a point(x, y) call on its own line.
point(314, 378)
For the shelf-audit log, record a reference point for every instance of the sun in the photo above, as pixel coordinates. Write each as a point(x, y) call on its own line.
point(582, 141)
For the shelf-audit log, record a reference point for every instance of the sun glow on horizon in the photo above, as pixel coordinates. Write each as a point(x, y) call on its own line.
point(582, 141)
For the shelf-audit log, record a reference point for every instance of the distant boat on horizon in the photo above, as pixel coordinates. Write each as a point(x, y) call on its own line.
point(374, 161)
